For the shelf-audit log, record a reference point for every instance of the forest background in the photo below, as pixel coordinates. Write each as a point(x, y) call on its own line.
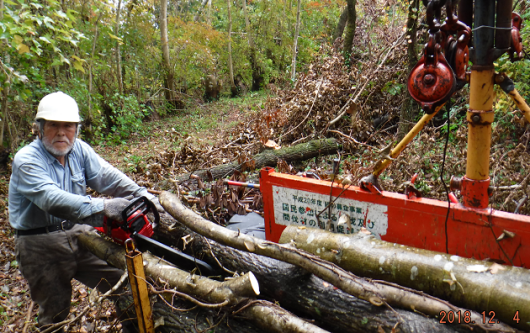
point(169, 87)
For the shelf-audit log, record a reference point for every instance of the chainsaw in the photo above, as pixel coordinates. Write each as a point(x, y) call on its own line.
point(137, 226)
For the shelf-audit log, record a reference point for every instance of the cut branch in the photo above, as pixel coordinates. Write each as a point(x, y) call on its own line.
point(237, 290)
point(451, 278)
point(301, 152)
point(299, 291)
point(376, 293)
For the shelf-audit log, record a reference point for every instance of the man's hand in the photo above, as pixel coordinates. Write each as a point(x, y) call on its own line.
point(114, 208)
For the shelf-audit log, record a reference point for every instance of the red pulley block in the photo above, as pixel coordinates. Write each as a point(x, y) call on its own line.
point(432, 81)
point(517, 42)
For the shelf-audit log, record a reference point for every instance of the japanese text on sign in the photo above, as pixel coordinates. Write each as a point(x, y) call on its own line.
point(299, 207)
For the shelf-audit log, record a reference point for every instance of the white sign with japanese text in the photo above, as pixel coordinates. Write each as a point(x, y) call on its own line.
point(297, 207)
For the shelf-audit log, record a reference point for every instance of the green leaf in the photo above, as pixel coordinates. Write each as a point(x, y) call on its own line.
point(44, 39)
point(14, 263)
point(36, 5)
point(63, 59)
point(22, 48)
point(37, 50)
point(114, 37)
point(79, 66)
point(78, 59)
point(17, 39)
point(61, 14)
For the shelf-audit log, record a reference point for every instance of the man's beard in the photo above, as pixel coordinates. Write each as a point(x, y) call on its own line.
point(57, 152)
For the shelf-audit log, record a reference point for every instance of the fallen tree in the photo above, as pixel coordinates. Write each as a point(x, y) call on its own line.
point(236, 292)
point(377, 294)
point(473, 284)
point(301, 292)
point(300, 152)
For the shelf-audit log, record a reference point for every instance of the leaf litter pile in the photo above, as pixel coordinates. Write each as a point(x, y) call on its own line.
point(358, 105)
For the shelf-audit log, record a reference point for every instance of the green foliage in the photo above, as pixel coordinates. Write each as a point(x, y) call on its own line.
point(393, 88)
point(56, 45)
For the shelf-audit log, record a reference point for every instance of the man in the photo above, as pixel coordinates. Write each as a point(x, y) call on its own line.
point(49, 208)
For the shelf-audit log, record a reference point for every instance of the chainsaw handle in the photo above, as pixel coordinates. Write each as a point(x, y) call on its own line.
point(137, 209)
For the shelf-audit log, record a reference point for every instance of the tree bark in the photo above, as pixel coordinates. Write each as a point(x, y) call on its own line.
point(169, 77)
point(257, 74)
point(233, 87)
point(299, 291)
point(295, 43)
point(377, 293)
point(4, 110)
point(343, 19)
point(209, 20)
point(235, 291)
point(90, 75)
point(350, 30)
point(409, 109)
point(270, 158)
point(438, 274)
point(118, 53)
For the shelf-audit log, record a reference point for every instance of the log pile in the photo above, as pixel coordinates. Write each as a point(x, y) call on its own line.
point(273, 287)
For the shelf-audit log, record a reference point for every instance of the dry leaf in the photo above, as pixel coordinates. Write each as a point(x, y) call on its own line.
point(271, 144)
point(495, 268)
point(365, 231)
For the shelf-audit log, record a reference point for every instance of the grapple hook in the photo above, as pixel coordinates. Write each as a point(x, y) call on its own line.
point(434, 13)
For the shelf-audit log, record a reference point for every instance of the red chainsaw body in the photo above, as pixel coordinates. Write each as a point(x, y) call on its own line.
point(119, 234)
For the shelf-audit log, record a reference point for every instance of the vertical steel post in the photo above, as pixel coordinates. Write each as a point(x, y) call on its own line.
point(480, 114)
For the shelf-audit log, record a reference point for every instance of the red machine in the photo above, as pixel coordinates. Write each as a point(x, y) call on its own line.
point(138, 228)
point(417, 222)
point(136, 219)
point(471, 228)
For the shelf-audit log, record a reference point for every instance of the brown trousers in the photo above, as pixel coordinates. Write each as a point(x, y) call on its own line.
point(50, 261)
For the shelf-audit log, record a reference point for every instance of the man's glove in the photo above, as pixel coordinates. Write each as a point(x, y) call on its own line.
point(114, 208)
point(95, 220)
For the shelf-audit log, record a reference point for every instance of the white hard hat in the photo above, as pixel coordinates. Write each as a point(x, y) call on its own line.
point(58, 106)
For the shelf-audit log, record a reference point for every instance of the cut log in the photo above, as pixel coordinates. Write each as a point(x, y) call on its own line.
point(300, 152)
point(376, 293)
point(301, 292)
point(237, 291)
point(469, 283)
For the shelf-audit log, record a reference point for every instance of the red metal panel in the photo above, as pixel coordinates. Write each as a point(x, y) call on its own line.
point(413, 222)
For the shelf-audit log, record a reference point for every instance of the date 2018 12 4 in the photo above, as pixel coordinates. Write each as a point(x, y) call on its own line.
point(457, 317)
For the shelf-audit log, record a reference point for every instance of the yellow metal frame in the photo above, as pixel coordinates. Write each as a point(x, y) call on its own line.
point(380, 167)
point(135, 268)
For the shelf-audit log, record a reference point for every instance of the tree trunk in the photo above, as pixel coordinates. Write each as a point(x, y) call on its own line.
point(299, 291)
point(300, 152)
point(257, 73)
point(376, 292)
point(4, 110)
point(233, 87)
point(438, 274)
point(118, 53)
point(5, 94)
point(350, 30)
point(295, 43)
point(169, 80)
point(409, 109)
point(90, 75)
point(209, 20)
point(235, 291)
point(343, 19)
